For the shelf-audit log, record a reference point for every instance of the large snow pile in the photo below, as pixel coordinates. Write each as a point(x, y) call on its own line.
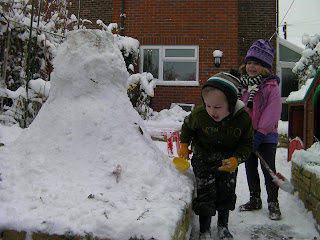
point(87, 164)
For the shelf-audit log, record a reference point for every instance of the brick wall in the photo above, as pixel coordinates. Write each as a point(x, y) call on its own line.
point(210, 24)
point(93, 10)
point(231, 26)
point(175, 95)
point(257, 19)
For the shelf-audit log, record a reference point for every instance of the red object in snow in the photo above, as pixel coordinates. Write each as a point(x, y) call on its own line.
point(170, 134)
point(117, 172)
point(295, 144)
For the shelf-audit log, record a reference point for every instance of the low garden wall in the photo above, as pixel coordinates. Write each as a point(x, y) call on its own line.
point(306, 183)
point(182, 232)
point(308, 186)
point(283, 141)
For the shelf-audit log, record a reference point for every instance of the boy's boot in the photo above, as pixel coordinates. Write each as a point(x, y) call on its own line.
point(223, 231)
point(273, 203)
point(255, 202)
point(205, 222)
point(205, 236)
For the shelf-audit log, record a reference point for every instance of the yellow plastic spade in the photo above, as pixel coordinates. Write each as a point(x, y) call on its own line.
point(181, 163)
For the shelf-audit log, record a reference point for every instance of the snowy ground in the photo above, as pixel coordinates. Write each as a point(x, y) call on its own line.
point(297, 222)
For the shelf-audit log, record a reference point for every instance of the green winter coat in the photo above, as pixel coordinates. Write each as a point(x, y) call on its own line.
point(214, 141)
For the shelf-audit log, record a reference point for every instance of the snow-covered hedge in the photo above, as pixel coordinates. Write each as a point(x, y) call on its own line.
point(307, 66)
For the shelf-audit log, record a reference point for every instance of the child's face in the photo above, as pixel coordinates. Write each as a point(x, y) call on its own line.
point(253, 68)
point(216, 104)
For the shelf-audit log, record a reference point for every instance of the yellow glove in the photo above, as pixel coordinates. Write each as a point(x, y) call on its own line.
point(184, 151)
point(229, 165)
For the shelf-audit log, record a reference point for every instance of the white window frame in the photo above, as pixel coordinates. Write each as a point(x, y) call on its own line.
point(190, 105)
point(280, 66)
point(162, 58)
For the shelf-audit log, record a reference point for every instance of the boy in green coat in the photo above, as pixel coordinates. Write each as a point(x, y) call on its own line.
point(222, 137)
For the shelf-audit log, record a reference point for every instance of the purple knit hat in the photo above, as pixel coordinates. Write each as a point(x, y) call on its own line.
point(262, 52)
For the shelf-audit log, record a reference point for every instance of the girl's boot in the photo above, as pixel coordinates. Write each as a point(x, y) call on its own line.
point(273, 203)
point(255, 202)
point(223, 219)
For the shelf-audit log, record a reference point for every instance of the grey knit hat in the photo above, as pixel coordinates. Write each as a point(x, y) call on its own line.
point(228, 84)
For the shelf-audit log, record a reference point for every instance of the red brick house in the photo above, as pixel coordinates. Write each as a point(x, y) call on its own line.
point(177, 38)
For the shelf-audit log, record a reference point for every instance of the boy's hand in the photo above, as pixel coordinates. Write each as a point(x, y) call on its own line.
point(184, 151)
point(229, 165)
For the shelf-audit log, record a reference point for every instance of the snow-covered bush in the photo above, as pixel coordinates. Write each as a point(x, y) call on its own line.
point(140, 90)
point(307, 66)
point(139, 86)
point(27, 54)
point(37, 94)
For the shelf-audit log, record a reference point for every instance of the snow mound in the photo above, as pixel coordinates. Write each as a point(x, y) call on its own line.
point(86, 165)
point(308, 159)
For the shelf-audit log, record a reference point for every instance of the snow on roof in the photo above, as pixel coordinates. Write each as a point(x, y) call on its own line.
point(302, 93)
point(289, 45)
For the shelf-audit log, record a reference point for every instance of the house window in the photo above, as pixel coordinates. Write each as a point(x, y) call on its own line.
point(288, 55)
point(171, 65)
point(289, 83)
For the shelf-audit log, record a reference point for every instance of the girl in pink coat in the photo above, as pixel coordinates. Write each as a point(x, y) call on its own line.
point(261, 94)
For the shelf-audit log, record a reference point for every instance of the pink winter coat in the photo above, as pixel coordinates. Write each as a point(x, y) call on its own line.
point(266, 109)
